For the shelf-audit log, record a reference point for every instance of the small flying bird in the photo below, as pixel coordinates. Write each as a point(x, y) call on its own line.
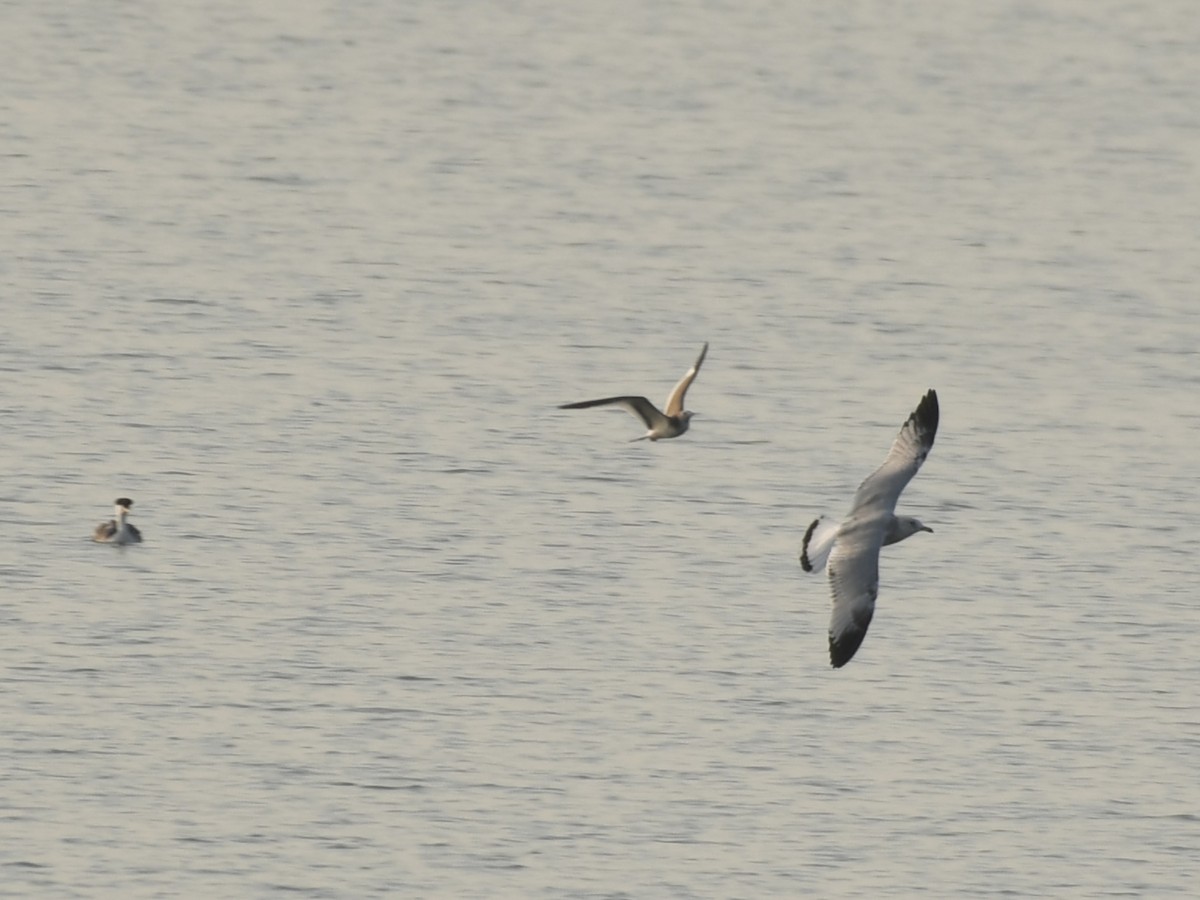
point(852, 548)
point(118, 530)
point(671, 422)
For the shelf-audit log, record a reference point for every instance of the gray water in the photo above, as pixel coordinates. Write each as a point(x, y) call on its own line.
point(307, 281)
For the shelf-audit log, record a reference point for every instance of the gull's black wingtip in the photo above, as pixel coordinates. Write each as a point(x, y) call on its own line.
point(842, 649)
point(927, 413)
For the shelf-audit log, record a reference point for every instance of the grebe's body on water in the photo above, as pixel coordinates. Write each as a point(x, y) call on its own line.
point(118, 530)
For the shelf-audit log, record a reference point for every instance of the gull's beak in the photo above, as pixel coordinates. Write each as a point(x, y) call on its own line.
point(927, 528)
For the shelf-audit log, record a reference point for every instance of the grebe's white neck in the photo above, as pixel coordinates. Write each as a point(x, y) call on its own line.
point(126, 534)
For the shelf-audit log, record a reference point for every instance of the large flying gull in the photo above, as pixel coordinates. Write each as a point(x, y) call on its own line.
point(852, 548)
point(671, 422)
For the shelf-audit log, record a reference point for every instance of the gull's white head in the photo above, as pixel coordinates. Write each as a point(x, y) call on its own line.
point(906, 526)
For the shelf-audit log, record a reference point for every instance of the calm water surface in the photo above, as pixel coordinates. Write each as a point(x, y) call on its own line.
point(307, 283)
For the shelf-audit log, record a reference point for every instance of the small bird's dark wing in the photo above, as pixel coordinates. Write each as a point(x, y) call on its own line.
point(639, 406)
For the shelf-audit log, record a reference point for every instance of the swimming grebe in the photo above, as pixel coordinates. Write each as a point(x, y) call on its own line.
point(118, 530)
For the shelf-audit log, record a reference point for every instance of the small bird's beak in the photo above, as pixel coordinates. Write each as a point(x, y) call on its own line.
point(927, 528)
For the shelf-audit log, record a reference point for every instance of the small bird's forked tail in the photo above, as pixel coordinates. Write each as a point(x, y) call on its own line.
point(817, 543)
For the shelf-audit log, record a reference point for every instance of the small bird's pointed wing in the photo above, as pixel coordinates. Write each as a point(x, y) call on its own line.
point(639, 406)
point(854, 580)
point(675, 400)
point(881, 489)
point(137, 535)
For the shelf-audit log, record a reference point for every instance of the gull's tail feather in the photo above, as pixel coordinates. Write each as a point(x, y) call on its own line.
point(818, 541)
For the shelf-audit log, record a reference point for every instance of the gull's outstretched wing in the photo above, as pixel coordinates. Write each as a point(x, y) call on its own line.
point(881, 489)
point(675, 400)
point(639, 406)
point(854, 579)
